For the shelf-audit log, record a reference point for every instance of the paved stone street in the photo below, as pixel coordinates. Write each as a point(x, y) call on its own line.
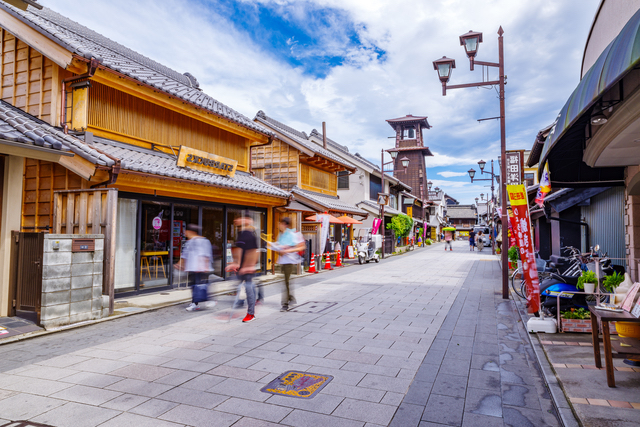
point(422, 339)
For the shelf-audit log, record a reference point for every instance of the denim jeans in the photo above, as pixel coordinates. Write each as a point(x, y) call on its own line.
point(246, 279)
point(197, 278)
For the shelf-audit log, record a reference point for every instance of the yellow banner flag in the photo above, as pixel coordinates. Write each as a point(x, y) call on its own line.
point(517, 195)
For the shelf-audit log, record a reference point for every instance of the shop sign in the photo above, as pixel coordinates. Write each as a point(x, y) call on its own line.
point(157, 223)
point(521, 226)
point(206, 162)
point(410, 211)
point(515, 170)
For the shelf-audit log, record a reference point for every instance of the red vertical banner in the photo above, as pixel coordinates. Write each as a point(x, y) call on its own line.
point(376, 226)
point(512, 234)
point(521, 228)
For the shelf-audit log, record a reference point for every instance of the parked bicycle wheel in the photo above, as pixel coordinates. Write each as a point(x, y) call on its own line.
point(516, 284)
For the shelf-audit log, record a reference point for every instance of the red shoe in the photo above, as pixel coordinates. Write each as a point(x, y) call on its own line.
point(248, 318)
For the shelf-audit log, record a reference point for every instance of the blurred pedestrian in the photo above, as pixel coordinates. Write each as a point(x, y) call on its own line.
point(480, 241)
point(197, 261)
point(472, 240)
point(289, 245)
point(448, 238)
point(245, 258)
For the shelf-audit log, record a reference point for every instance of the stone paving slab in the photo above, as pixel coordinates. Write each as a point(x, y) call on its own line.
point(400, 330)
point(480, 369)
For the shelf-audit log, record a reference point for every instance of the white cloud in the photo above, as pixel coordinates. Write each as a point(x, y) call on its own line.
point(449, 174)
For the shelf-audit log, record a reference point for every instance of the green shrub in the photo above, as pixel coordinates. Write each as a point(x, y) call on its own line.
point(428, 242)
point(514, 254)
point(576, 313)
point(401, 225)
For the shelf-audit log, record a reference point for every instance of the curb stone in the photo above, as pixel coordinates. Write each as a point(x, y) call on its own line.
point(568, 417)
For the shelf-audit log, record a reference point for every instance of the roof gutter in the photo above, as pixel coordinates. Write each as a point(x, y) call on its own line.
point(113, 170)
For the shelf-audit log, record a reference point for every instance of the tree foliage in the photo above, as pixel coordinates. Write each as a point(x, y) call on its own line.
point(401, 225)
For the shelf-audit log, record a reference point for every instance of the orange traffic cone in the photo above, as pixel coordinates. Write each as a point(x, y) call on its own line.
point(338, 260)
point(312, 264)
point(327, 264)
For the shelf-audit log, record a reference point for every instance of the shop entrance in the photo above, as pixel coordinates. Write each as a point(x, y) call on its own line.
point(150, 240)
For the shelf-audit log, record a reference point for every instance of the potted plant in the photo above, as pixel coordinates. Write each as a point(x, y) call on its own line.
point(612, 281)
point(587, 281)
point(513, 254)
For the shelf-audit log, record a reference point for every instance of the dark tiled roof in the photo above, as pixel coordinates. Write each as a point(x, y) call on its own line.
point(410, 119)
point(345, 150)
point(87, 43)
point(376, 207)
point(301, 138)
point(329, 202)
point(461, 212)
point(18, 126)
point(153, 162)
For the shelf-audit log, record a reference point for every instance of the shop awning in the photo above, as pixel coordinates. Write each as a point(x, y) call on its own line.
point(566, 138)
point(297, 206)
point(324, 202)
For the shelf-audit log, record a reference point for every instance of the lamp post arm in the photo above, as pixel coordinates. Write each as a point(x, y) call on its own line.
point(488, 64)
point(464, 85)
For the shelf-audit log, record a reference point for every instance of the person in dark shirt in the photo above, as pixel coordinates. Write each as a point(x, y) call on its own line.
point(472, 240)
point(245, 258)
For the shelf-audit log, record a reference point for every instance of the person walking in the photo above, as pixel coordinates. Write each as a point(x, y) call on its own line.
point(290, 243)
point(479, 241)
point(448, 238)
point(245, 258)
point(472, 240)
point(197, 261)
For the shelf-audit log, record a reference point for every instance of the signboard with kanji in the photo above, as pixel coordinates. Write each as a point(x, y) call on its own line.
point(515, 167)
point(521, 229)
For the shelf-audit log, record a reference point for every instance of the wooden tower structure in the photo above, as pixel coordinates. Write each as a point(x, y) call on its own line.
point(410, 144)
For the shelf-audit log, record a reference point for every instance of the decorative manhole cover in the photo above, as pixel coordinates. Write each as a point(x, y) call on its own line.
point(313, 307)
point(302, 385)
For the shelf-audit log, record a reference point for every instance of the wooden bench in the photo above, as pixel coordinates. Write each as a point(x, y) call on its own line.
point(632, 348)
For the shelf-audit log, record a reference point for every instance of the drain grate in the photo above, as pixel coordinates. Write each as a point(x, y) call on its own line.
point(301, 385)
point(313, 307)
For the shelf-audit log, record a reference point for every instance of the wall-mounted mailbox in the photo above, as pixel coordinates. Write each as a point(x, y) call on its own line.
point(83, 245)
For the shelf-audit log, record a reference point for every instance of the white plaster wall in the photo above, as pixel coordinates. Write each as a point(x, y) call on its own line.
point(609, 21)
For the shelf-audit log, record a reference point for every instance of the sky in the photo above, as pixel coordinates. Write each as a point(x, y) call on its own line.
point(356, 63)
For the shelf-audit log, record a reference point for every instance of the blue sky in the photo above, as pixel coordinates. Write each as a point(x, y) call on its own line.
point(307, 36)
point(356, 63)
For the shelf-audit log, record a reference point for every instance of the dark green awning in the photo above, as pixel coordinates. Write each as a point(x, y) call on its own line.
point(618, 59)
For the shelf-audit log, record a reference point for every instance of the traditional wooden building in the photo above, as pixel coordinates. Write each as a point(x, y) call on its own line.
point(311, 172)
point(97, 115)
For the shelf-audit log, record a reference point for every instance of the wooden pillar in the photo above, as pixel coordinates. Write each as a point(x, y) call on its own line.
point(12, 182)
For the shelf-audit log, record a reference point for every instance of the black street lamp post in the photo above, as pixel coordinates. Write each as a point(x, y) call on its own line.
point(472, 173)
point(444, 66)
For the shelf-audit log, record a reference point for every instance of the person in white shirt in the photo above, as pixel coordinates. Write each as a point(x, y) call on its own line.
point(290, 243)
